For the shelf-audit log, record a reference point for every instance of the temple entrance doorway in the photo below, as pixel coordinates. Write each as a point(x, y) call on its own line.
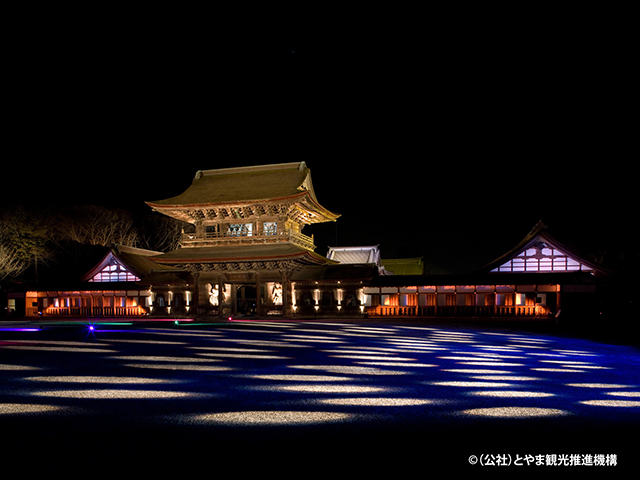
point(246, 300)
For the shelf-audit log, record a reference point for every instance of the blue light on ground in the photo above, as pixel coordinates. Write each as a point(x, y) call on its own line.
point(388, 380)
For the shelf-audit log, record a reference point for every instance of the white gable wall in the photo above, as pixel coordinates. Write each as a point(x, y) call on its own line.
point(112, 270)
point(542, 257)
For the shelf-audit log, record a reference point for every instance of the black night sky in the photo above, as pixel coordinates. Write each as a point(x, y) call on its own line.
point(447, 141)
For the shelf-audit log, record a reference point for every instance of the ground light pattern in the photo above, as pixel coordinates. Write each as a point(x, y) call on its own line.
point(319, 392)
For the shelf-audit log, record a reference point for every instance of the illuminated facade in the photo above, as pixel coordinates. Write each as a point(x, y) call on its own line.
point(538, 278)
point(113, 288)
point(244, 253)
point(246, 239)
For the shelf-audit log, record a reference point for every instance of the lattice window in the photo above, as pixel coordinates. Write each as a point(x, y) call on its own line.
point(114, 272)
point(542, 258)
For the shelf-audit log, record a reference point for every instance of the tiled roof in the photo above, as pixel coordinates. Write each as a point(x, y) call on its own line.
point(241, 253)
point(355, 255)
point(229, 185)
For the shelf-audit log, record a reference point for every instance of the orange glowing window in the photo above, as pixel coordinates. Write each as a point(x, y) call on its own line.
point(389, 300)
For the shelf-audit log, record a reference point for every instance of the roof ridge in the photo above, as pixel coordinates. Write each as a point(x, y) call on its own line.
point(251, 169)
point(135, 250)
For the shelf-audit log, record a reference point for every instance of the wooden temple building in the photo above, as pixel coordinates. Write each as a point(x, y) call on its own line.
point(247, 240)
point(537, 278)
point(245, 253)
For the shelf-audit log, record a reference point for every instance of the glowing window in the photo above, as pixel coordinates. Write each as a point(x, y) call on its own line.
point(269, 228)
point(240, 230)
point(114, 272)
point(542, 258)
point(407, 300)
point(389, 300)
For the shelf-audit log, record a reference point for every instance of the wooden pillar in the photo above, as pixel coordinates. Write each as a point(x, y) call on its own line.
point(195, 301)
point(258, 295)
point(558, 298)
point(455, 302)
point(221, 297)
point(435, 308)
point(475, 300)
point(495, 301)
point(287, 305)
point(234, 300)
point(558, 303)
point(200, 229)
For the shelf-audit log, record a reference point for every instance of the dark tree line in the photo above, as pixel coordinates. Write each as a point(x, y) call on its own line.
point(34, 236)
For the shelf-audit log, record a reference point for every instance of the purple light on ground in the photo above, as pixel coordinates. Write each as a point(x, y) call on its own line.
point(13, 329)
point(153, 320)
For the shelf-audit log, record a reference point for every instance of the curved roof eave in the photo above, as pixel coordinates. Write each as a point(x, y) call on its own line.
point(207, 258)
point(302, 196)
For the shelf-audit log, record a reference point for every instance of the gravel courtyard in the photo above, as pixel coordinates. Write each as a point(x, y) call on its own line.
point(265, 396)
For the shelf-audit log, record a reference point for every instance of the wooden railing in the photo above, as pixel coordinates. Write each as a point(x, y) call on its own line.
point(211, 239)
point(458, 311)
point(95, 312)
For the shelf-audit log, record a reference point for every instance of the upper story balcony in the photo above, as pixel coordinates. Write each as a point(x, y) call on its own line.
point(246, 236)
